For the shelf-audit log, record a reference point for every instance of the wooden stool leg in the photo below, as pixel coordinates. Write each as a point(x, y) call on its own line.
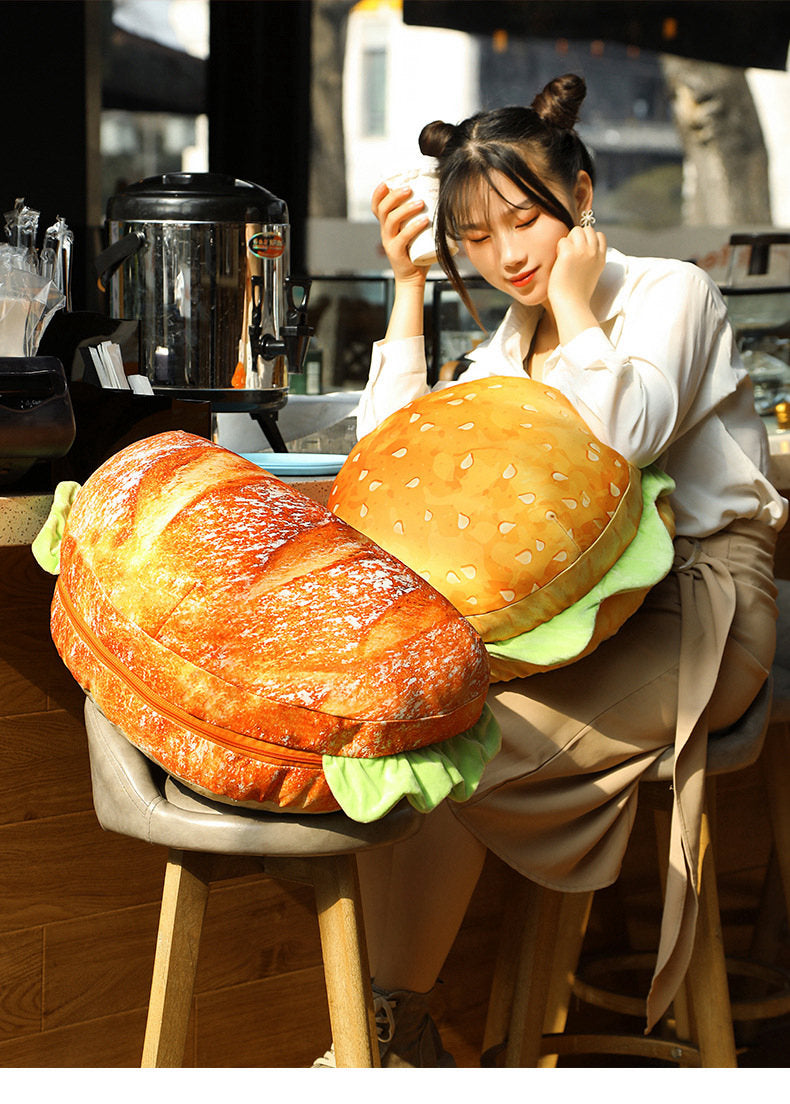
point(776, 772)
point(346, 969)
point(707, 972)
point(772, 912)
point(533, 977)
point(503, 984)
point(571, 929)
point(184, 898)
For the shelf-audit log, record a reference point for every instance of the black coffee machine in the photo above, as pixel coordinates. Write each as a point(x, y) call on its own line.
point(36, 417)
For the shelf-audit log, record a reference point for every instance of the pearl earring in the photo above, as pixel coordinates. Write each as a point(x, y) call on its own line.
point(587, 218)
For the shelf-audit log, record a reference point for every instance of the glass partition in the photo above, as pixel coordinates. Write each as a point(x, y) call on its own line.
point(348, 315)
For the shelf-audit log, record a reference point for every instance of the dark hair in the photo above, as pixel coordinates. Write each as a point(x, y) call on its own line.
point(529, 145)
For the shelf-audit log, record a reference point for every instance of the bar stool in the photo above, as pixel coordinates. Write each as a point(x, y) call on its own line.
point(775, 763)
point(135, 797)
point(543, 933)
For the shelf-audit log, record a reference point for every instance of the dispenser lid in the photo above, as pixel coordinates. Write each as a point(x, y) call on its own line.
point(196, 197)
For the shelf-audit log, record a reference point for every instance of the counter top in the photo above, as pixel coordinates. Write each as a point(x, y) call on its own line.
point(22, 516)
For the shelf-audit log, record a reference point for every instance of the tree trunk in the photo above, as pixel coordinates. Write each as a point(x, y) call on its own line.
point(725, 172)
point(327, 155)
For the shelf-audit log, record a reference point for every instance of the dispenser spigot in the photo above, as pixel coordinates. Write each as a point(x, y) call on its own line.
point(295, 333)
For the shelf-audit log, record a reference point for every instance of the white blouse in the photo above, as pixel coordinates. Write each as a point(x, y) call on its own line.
point(661, 382)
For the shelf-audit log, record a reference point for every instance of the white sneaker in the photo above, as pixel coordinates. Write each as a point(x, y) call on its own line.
point(327, 1060)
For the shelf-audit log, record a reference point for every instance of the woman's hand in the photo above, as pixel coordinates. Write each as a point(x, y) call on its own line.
point(393, 208)
point(581, 256)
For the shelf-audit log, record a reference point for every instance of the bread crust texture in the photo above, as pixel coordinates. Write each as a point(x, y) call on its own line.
point(236, 631)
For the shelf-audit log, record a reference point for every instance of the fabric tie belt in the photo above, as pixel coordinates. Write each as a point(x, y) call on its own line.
point(707, 615)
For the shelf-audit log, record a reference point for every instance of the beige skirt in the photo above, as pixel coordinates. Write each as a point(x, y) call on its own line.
point(558, 802)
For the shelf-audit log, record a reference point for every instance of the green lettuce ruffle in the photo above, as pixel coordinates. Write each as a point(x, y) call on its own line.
point(366, 789)
point(645, 561)
point(46, 546)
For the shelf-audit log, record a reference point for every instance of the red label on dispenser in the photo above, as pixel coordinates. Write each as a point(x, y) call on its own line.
point(269, 244)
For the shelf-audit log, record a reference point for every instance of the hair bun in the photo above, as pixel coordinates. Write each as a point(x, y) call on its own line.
point(560, 101)
point(435, 138)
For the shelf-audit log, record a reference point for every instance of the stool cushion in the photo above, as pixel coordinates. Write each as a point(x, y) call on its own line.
point(780, 710)
point(731, 750)
point(498, 494)
point(237, 632)
point(135, 797)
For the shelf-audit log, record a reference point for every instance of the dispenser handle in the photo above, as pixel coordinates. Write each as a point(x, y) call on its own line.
point(296, 331)
point(299, 308)
point(108, 262)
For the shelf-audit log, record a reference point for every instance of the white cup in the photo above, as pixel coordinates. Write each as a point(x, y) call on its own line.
point(424, 183)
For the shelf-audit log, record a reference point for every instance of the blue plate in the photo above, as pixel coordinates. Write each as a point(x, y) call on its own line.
point(294, 464)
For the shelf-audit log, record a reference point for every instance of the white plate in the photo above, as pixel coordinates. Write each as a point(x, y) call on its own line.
point(297, 463)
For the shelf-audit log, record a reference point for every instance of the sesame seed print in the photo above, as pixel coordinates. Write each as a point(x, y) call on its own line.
point(488, 490)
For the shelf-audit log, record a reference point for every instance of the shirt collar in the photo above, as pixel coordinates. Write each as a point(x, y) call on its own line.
point(607, 300)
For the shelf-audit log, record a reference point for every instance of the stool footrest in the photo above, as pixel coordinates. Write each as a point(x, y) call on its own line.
point(664, 1050)
point(776, 1003)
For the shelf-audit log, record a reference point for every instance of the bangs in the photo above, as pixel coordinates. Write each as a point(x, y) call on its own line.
point(468, 203)
point(465, 193)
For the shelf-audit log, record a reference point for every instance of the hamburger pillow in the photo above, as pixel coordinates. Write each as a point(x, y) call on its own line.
point(497, 494)
point(253, 644)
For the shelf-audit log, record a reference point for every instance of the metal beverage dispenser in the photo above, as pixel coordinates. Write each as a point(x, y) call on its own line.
point(201, 260)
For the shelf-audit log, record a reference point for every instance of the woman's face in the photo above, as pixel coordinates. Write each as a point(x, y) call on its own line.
point(512, 242)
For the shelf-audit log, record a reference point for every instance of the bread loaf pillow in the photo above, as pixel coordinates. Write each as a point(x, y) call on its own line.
point(496, 493)
point(241, 635)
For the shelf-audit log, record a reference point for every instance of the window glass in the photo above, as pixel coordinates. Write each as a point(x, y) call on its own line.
point(686, 153)
point(646, 118)
point(374, 92)
point(153, 116)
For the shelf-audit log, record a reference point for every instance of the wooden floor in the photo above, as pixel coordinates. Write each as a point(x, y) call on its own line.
point(79, 906)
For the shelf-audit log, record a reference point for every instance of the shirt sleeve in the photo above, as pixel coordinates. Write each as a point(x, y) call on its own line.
point(645, 385)
point(398, 374)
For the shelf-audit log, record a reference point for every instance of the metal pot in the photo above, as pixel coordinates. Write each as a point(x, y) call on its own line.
point(201, 261)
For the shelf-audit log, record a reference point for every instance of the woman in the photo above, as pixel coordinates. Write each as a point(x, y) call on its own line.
point(644, 351)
